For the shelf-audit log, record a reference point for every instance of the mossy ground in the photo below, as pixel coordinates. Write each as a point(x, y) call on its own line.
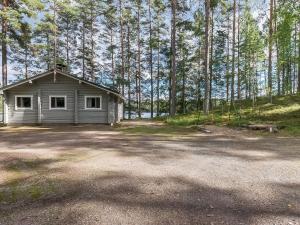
point(283, 112)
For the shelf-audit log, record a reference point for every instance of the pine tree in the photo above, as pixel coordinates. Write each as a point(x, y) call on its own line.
point(12, 16)
point(173, 59)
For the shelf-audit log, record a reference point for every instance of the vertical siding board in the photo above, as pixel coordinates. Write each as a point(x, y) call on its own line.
point(39, 105)
point(5, 108)
point(76, 106)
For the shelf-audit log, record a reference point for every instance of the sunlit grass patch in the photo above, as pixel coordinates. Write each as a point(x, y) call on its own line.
point(283, 109)
point(195, 119)
point(19, 191)
point(284, 112)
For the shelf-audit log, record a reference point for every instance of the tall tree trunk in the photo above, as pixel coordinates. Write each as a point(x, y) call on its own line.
point(183, 86)
point(206, 58)
point(173, 47)
point(48, 52)
point(4, 44)
point(151, 55)
point(270, 82)
point(289, 78)
point(158, 74)
point(294, 61)
point(122, 47)
point(68, 43)
point(211, 58)
point(92, 47)
point(83, 50)
point(26, 61)
point(55, 37)
point(129, 70)
point(283, 79)
point(233, 54)
point(139, 59)
point(299, 58)
point(112, 55)
point(136, 83)
point(199, 79)
point(239, 55)
point(227, 60)
point(278, 66)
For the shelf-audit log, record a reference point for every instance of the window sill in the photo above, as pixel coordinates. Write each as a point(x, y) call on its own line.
point(91, 109)
point(58, 109)
point(24, 109)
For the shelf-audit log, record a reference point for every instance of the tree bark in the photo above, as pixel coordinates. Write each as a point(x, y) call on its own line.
point(26, 61)
point(151, 55)
point(270, 86)
point(55, 37)
point(233, 54)
point(299, 58)
point(211, 59)
point(112, 55)
point(129, 71)
point(227, 60)
point(239, 55)
point(278, 67)
point(183, 87)
point(139, 60)
point(92, 46)
point(83, 50)
point(4, 45)
point(173, 47)
point(206, 58)
point(68, 43)
point(158, 74)
point(122, 48)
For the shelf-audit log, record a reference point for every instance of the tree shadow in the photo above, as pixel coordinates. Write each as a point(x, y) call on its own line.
point(154, 149)
point(121, 198)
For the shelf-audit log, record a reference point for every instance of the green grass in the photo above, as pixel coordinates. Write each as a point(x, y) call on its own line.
point(17, 191)
point(283, 112)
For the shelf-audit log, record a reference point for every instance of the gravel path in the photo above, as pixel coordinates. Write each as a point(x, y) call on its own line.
point(92, 175)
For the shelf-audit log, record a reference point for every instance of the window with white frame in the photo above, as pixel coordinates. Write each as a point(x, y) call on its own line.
point(93, 102)
point(23, 102)
point(58, 102)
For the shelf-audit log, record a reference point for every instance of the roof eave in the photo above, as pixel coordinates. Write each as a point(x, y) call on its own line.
point(65, 74)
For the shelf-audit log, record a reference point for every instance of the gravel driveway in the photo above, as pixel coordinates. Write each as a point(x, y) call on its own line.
point(92, 175)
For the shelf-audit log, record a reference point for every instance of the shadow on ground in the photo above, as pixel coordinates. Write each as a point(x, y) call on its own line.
point(99, 175)
point(73, 140)
point(118, 198)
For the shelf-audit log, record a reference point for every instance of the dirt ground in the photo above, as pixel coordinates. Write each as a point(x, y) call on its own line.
point(88, 175)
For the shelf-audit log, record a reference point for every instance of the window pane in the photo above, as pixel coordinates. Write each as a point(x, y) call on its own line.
point(89, 102)
point(98, 103)
point(26, 102)
point(60, 102)
point(23, 102)
point(19, 104)
point(93, 102)
point(52, 102)
point(57, 102)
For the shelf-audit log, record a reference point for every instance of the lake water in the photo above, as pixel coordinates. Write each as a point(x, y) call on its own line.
point(144, 115)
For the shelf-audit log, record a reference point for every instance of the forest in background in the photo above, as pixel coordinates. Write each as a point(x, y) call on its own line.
point(164, 56)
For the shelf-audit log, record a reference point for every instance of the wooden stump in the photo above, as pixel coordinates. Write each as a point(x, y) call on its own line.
point(267, 127)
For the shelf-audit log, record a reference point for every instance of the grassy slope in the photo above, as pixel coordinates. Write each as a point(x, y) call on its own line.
point(284, 112)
